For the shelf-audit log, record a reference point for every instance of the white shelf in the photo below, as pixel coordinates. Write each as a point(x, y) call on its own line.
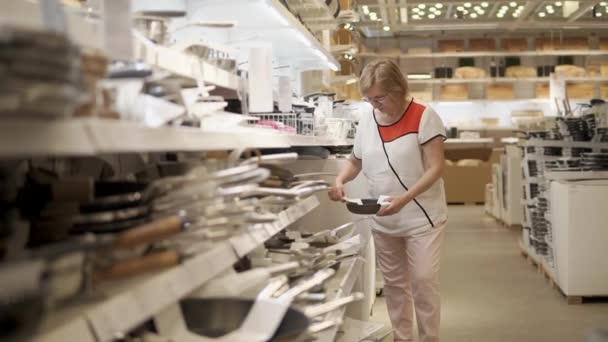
point(344, 48)
point(70, 137)
point(343, 79)
point(576, 175)
point(560, 143)
point(504, 80)
point(509, 140)
point(307, 140)
point(184, 64)
point(124, 305)
point(489, 54)
point(454, 144)
point(343, 284)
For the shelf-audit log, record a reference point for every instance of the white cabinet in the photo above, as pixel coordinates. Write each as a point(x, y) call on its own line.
point(580, 236)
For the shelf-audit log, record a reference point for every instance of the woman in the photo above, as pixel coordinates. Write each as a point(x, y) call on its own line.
point(399, 148)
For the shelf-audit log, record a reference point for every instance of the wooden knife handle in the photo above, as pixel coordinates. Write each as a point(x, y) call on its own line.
point(150, 232)
point(136, 266)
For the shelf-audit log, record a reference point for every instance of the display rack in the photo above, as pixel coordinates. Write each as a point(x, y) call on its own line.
point(442, 55)
point(31, 137)
point(125, 305)
point(504, 80)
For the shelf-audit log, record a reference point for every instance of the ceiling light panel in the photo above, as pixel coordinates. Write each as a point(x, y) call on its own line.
point(550, 10)
point(465, 10)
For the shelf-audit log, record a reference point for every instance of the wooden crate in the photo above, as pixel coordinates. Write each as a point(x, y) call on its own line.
point(346, 5)
point(469, 72)
point(580, 90)
point(500, 92)
point(450, 45)
point(454, 92)
point(604, 43)
point(346, 68)
point(515, 44)
point(482, 44)
point(604, 70)
point(570, 71)
point(604, 90)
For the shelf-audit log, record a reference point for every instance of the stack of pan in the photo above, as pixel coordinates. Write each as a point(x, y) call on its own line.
point(41, 73)
point(575, 128)
point(595, 161)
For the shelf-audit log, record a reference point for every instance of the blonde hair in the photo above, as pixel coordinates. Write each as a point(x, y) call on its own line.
point(386, 74)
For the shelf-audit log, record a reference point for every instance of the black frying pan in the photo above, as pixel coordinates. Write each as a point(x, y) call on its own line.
point(215, 317)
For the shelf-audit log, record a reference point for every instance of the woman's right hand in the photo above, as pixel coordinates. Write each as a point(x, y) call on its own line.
point(336, 193)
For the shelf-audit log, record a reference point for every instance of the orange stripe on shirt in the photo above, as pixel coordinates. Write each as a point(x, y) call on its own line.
point(409, 123)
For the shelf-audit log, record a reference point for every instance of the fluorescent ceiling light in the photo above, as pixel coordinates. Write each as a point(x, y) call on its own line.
point(439, 5)
point(515, 15)
point(431, 16)
point(500, 15)
point(603, 3)
point(386, 28)
point(438, 13)
point(474, 15)
point(419, 76)
point(558, 3)
point(467, 4)
point(481, 12)
point(416, 10)
point(416, 17)
point(460, 8)
point(373, 16)
point(352, 80)
point(542, 14)
point(513, 4)
point(422, 13)
point(484, 4)
point(365, 9)
point(422, 6)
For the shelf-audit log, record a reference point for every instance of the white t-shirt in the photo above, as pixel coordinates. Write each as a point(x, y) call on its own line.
point(391, 158)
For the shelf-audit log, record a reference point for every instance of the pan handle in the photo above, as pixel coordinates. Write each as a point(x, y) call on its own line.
point(314, 174)
point(318, 327)
point(151, 232)
point(332, 305)
point(136, 266)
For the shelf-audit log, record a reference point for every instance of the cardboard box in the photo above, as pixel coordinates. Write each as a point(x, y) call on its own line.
point(542, 91)
point(466, 184)
point(451, 45)
point(482, 44)
point(580, 91)
point(500, 92)
point(604, 91)
point(343, 37)
point(604, 43)
point(515, 44)
point(454, 92)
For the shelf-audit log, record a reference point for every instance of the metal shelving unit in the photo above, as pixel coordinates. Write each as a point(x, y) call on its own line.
point(127, 304)
point(441, 55)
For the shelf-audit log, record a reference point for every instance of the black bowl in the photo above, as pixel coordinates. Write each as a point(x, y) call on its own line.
point(370, 206)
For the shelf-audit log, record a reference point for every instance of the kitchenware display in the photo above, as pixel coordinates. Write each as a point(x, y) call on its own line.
point(595, 161)
point(261, 319)
point(42, 73)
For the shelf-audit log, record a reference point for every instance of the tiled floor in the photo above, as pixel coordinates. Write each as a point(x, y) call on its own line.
point(490, 293)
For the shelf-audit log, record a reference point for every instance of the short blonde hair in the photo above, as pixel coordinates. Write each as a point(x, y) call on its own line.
point(386, 74)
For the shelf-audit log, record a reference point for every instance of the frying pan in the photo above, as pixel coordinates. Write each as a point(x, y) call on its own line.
point(284, 178)
point(215, 317)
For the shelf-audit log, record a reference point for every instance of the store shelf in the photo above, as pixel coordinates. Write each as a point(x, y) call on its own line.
point(489, 54)
point(183, 64)
point(344, 48)
point(245, 243)
point(348, 79)
point(307, 140)
point(509, 140)
point(124, 305)
point(453, 144)
point(560, 143)
point(504, 80)
point(342, 285)
point(73, 137)
point(576, 175)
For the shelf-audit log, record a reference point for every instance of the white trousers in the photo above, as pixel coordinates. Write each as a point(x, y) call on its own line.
point(410, 267)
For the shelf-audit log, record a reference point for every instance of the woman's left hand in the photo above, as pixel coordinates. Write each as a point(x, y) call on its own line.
point(396, 204)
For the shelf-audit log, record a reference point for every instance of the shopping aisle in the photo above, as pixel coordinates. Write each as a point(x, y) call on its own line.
point(491, 294)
